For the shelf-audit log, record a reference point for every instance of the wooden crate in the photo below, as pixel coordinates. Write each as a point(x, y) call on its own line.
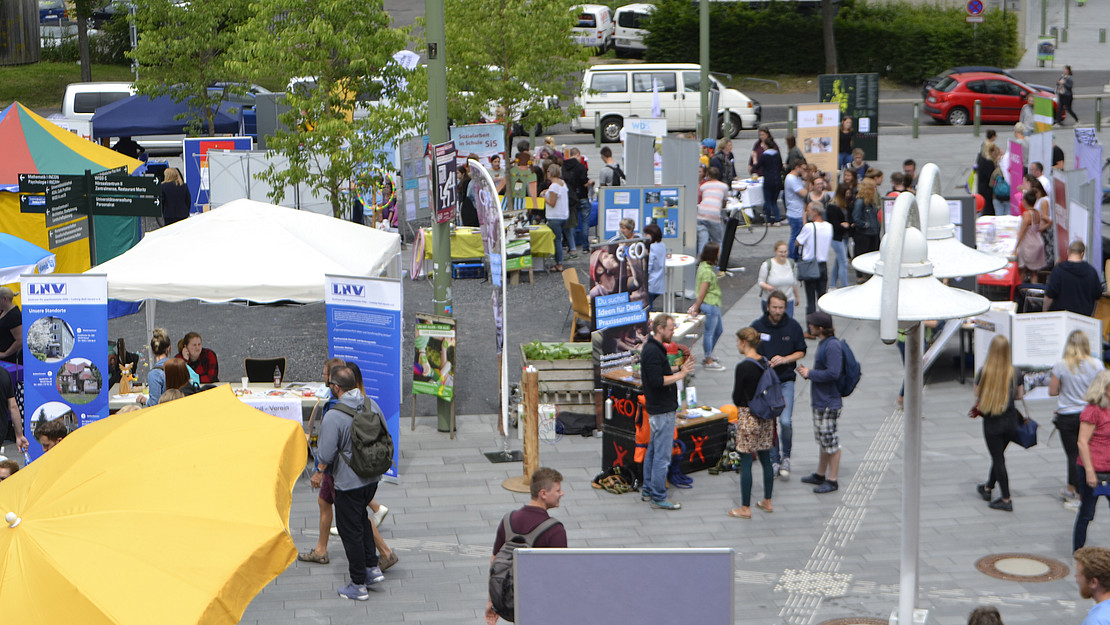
point(564, 382)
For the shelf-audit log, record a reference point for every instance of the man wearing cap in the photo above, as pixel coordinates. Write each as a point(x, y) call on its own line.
point(825, 399)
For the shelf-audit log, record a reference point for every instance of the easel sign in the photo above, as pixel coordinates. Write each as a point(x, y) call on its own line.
point(433, 371)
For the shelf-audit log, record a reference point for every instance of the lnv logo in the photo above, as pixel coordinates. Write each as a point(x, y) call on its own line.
point(47, 288)
point(339, 288)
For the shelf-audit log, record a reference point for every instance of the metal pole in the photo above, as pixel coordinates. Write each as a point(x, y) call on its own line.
point(1044, 15)
point(790, 119)
point(978, 113)
point(1067, 16)
point(597, 129)
point(911, 475)
point(435, 31)
point(1098, 114)
point(916, 117)
point(727, 124)
point(703, 58)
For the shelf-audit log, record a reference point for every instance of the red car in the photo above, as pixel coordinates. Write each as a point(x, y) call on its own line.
point(953, 99)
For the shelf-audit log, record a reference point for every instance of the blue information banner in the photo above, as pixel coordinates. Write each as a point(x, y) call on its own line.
point(364, 327)
point(643, 205)
point(195, 157)
point(65, 351)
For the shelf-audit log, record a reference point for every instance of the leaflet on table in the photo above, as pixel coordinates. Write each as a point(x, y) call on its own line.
point(364, 327)
point(65, 329)
point(518, 254)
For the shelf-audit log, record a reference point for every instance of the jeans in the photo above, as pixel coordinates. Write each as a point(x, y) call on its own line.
point(746, 476)
point(651, 301)
point(771, 203)
point(839, 274)
point(816, 288)
point(786, 427)
point(657, 458)
point(1001, 207)
point(842, 159)
point(582, 233)
point(1068, 424)
point(1087, 502)
point(713, 328)
point(795, 227)
point(354, 530)
point(709, 231)
point(789, 308)
point(556, 226)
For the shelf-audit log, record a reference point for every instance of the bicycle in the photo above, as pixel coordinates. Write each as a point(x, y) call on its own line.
point(750, 227)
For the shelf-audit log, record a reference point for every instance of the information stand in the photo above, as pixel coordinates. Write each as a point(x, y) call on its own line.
point(644, 205)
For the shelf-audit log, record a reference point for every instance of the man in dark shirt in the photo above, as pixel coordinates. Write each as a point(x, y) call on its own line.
point(546, 490)
point(826, 401)
point(1073, 284)
point(578, 195)
point(783, 342)
point(660, 404)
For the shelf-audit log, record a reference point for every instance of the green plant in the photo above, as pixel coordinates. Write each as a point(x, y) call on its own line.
point(537, 350)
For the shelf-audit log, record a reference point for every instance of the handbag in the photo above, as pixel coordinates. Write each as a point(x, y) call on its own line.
point(1027, 429)
point(809, 269)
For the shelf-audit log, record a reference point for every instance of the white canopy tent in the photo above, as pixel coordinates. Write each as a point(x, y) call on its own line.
point(248, 250)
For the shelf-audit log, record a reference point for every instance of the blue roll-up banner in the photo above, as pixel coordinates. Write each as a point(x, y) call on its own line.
point(195, 157)
point(364, 327)
point(65, 351)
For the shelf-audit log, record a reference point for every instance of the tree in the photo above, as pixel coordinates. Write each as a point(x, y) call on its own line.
point(357, 106)
point(828, 18)
point(183, 48)
point(505, 58)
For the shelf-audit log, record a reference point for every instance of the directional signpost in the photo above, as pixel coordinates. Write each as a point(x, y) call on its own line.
point(67, 198)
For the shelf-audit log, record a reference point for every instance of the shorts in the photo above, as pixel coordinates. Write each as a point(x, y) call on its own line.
point(327, 489)
point(824, 429)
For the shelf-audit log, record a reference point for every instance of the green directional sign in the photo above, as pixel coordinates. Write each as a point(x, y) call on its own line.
point(126, 185)
point(66, 193)
point(40, 183)
point(141, 205)
point(122, 169)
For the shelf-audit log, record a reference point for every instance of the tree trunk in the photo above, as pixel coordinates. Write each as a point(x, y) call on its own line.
point(827, 18)
point(83, 41)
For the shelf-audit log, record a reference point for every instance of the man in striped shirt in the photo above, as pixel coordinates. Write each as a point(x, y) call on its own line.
point(710, 209)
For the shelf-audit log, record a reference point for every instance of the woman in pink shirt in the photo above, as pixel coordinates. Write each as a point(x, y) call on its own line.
point(1094, 454)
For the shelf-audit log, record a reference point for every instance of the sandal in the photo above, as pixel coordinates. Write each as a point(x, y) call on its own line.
point(740, 513)
point(765, 506)
point(312, 556)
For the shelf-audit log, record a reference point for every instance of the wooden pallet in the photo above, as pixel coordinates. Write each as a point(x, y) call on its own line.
point(564, 382)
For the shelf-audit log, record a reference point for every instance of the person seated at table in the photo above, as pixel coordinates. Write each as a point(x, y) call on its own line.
point(156, 377)
point(199, 358)
point(627, 231)
point(177, 377)
point(657, 264)
point(170, 395)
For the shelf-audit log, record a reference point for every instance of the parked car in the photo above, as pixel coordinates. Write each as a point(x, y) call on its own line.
point(52, 11)
point(595, 27)
point(245, 98)
point(628, 39)
point(618, 92)
point(953, 99)
point(989, 69)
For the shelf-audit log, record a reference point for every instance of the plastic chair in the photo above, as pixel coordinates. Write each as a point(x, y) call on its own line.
point(580, 305)
point(570, 276)
point(262, 369)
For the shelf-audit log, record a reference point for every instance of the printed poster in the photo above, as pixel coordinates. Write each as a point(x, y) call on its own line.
point(433, 371)
point(65, 355)
point(618, 294)
point(518, 254)
point(444, 170)
point(364, 327)
point(819, 134)
point(196, 164)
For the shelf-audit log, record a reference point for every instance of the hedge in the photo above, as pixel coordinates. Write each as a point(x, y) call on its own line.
point(904, 42)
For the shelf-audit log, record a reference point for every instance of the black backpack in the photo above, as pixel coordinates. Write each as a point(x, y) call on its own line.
point(371, 444)
point(501, 591)
point(618, 175)
point(850, 373)
point(768, 401)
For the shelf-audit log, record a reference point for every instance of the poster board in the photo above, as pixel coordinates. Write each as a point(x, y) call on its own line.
point(643, 204)
point(365, 327)
point(414, 177)
point(434, 363)
point(1015, 170)
point(618, 294)
point(856, 95)
point(65, 363)
point(1039, 338)
point(195, 157)
point(819, 134)
point(479, 140)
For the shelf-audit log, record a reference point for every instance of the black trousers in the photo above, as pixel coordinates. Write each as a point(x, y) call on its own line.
point(998, 431)
point(1068, 424)
point(354, 529)
point(816, 288)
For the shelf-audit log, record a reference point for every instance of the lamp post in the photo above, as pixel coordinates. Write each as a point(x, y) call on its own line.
point(905, 290)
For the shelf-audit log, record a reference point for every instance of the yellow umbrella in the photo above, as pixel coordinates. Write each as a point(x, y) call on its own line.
point(178, 513)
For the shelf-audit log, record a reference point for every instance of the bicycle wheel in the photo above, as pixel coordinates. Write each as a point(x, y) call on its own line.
point(750, 232)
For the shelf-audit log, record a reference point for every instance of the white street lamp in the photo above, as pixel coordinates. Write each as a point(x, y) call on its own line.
point(905, 289)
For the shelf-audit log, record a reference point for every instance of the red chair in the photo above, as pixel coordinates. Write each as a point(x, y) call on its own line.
point(1006, 277)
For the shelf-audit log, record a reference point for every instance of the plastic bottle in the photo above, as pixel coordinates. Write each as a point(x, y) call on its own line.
point(277, 377)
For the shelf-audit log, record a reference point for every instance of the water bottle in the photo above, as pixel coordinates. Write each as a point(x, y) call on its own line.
point(277, 377)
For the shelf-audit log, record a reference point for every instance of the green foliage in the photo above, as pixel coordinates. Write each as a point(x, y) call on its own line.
point(905, 42)
point(347, 46)
point(537, 350)
point(110, 47)
point(42, 85)
point(183, 49)
point(502, 60)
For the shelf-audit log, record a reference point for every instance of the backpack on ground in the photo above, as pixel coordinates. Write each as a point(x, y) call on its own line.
point(371, 444)
point(618, 174)
point(501, 590)
point(850, 373)
point(768, 401)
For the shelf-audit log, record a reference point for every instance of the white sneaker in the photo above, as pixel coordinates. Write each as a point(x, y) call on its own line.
point(334, 530)
point(1072, 505)
point(380, 515)
point(784, 467)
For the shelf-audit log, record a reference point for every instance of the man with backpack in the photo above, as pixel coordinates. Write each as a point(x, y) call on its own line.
point(611, 174)
point(825, 398)
point(530, 526)
point(782, 342)
point(336, 454)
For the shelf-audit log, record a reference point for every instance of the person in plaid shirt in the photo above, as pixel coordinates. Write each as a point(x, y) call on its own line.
point(199, 358)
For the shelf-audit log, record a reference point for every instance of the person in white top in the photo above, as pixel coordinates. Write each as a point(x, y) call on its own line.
point(558, 210)
point(779, 272)
point(712, 205)
point(815, 240)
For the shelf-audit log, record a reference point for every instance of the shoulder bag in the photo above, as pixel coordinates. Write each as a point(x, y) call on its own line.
point(808, 269)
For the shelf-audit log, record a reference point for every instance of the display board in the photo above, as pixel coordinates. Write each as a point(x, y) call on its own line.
point(818, 134)
point(1016, 170)
point(1036, 339)
point(618, 294)
point(1088, 159)
point(699, 586)
point(660, 205)
point(414, 176)
point(856, 95)
point(65, 359)
point(364, 327)
point(434, 365)
point(195, 156)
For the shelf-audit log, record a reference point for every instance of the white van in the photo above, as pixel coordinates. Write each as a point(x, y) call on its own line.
point(595, 27)
point(81, 100)
point(618, 92)
point(628, 38)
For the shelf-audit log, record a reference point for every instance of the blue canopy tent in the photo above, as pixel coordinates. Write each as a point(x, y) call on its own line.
point(142, 115)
